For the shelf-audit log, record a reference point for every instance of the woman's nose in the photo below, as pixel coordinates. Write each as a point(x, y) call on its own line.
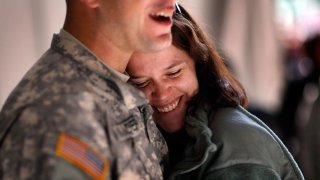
point(161, 91)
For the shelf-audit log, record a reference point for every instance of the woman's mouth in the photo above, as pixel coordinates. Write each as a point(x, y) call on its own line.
point(169, 107)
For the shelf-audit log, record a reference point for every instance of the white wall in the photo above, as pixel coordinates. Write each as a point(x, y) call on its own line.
point(250, 39)
point(245, 30)
point(26, 28)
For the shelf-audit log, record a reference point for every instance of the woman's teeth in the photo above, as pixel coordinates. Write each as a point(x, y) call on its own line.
point(169, 107)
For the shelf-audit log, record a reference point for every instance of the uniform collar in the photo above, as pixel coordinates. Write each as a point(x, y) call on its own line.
point(64, 34)
point(68, 45)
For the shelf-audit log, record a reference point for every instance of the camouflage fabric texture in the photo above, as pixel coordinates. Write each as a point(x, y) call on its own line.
point(105, 124)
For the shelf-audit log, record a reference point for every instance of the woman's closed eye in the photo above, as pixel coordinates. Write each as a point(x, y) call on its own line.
point(141, 84)
point(174, 73)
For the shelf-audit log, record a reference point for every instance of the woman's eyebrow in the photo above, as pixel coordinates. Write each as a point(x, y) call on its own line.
point(136, 77)
point(174, 64)
point(167, 68)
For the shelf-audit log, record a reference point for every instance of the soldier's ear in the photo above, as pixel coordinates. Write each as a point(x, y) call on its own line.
point(91, 3)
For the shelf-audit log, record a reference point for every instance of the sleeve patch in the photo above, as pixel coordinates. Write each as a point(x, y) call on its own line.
point(82, 155)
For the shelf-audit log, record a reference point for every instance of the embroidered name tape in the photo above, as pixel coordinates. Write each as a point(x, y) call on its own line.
point(128, 128)
point(83, 156)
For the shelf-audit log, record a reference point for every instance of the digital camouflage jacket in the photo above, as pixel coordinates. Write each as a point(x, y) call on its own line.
point(71, 117)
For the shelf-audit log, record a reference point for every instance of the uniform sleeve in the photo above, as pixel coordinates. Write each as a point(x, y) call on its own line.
point(54, 140)
point(243, 172)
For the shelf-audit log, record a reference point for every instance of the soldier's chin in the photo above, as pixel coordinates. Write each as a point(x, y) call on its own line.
point(159, 43)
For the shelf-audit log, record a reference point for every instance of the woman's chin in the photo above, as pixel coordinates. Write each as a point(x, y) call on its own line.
point(171, 127)
point(172, 121)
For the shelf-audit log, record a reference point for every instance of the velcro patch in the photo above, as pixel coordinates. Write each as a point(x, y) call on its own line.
point(82, 155)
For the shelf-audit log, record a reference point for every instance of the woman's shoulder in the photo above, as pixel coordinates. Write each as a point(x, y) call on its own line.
point(243, 136)
point(237, 121)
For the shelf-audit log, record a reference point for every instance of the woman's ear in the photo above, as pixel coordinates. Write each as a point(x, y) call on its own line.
point(91, 3)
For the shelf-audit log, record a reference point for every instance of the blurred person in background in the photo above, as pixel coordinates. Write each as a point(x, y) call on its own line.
point(296, 69)
point(302, 72)
point(307, 114)
point(199, 107)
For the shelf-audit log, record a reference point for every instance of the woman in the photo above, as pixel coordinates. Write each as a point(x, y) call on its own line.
point(198, 105)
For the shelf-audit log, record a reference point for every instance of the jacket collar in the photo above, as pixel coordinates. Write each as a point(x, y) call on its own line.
point(200, 145)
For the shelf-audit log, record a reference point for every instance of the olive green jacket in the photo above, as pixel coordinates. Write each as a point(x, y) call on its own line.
point(231, 143)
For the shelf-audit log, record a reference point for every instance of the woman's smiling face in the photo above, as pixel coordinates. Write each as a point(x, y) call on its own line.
point(169, 81)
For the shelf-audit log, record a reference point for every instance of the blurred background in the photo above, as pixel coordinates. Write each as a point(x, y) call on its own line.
point(272, 47)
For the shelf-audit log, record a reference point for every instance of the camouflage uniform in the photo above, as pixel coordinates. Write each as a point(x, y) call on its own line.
point(72, 117)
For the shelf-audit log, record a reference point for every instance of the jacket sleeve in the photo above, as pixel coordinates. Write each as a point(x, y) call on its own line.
point(56, 141)
point(243, 172)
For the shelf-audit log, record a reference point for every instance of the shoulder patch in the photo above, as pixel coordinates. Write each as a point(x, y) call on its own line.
point(82, 155)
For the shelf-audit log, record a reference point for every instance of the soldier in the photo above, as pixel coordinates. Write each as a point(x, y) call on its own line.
point(73, 116)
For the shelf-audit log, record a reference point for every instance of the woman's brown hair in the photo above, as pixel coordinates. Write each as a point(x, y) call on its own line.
point(217, 85)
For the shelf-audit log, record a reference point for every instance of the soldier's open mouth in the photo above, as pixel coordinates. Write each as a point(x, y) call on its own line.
point(162, 17)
